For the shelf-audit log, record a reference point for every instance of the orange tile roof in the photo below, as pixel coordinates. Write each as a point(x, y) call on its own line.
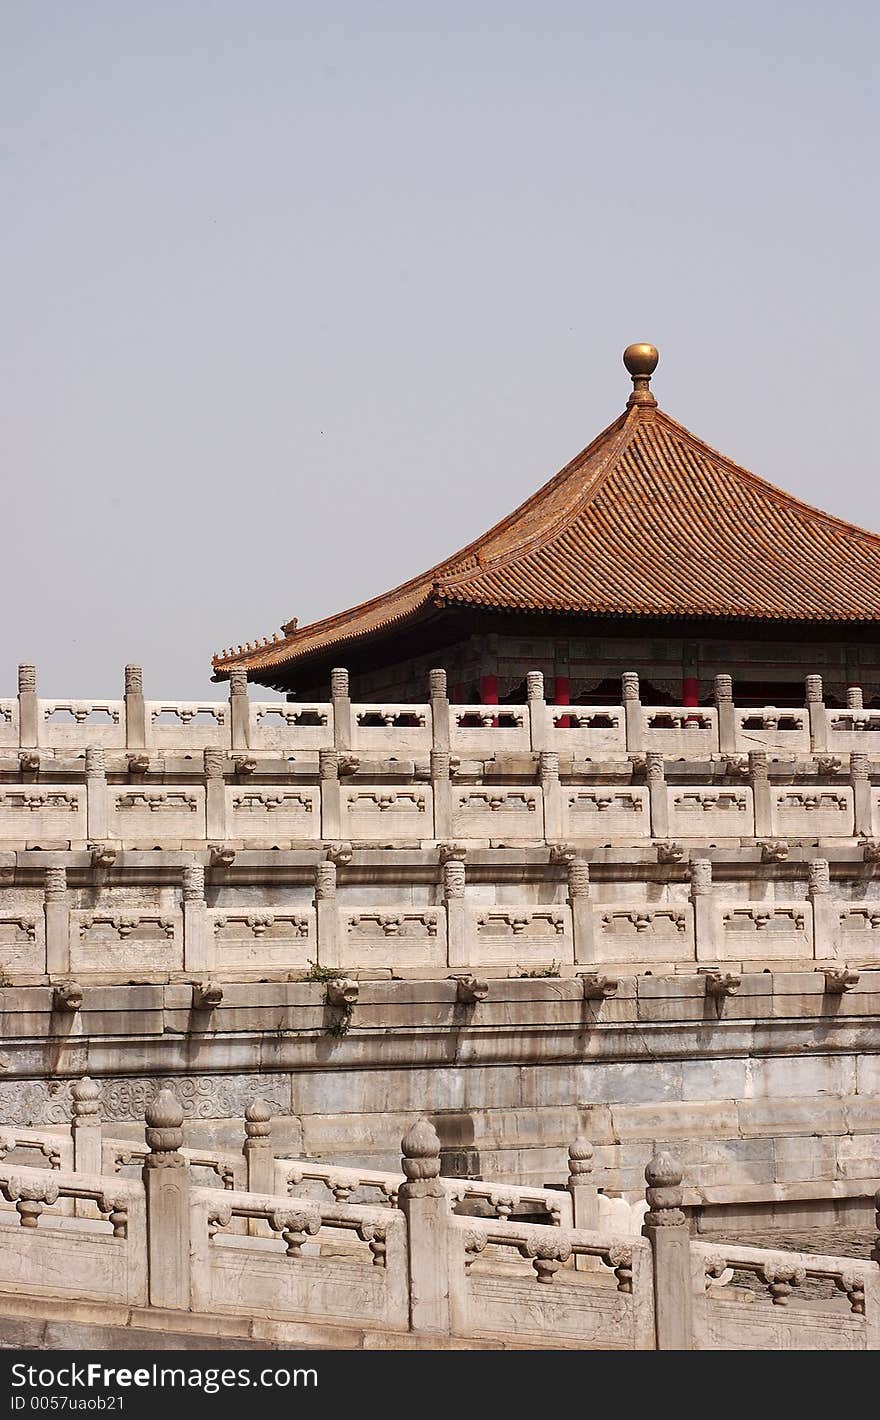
point(646, 521)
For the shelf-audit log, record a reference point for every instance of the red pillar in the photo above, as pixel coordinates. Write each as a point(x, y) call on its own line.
point(458, 694)
point(488, 690)
point(562, 696)
point(690, 690)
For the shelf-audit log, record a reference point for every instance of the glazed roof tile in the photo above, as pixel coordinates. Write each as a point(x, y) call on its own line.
point(647, 521)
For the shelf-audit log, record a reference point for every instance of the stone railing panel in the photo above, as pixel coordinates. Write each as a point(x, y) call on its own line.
point(72, 724)
point(854, 730)
point(771, 728)
point(774, 1321)
point(711, 812)
point(146, 814)
point(9, 732)
point(22, 937)
point(396, 936)
point(680, 729)
point(491, 1295)
point(34, 812)
point(240, 939)
point(392, 729)
point(813, 812)
point(287, 726)
point(663, 933)
point(187, 724)
point(124, 939)
point(529, 937)
point(384, 812)
point(501, 813)
point(859, 937)
point(285, 1275)
point(597, 813)
point(759, 931)
point(263, 814)
point(585, 730)
point(489, 729)
point(92, 1262)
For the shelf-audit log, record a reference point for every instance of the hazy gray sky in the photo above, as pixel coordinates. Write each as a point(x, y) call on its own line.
point(297, 298)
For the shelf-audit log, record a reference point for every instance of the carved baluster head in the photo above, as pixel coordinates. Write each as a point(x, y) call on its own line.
point(723, 689)
point(134, 680)
point(580, 1162)
point(701, 876)
point(813, 689)
point(820, 876)
point(655, 771)
point(858, 765)
point(238, 681)
point(86, 1105)
point(194, 883)
point(325, 879)
point(758, 764)
point(854, 698)
point(454, 878)
point(548, 766)
point(437, 685)
point(96, 766)
point(164, 1132)
point(578, 878)
point(535, 685)
point(27, 679)
point(441, 764)
point(328, 763)
point(420, 1148)
point(214, 761)
point(339, 684)
point(664, 1193)
point(56, 884)
point(257, 1124)
point(629, 685)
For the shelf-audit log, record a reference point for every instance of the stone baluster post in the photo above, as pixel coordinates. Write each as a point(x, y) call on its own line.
point(239, 709)
point(215, 795)
point(826, 918)
point(818, 718)
point(97, 807)
point(441, 791)
point(655, 773)
point(259, 1158)
point(28, 708)
point(583, 927)
point(632, 709)
point(551, 790)
point(135, 709)
point(759, 777)
point(85, 1127)
point(666, 1228)
point(726, 714)
point(331, 794)
point(703, 902)
point(423, 1202)
point(327, 914)
point(339, 694)
point(457, 936)
point(57, 912)
point(860, 780)
point(539, 716)
point(198, 943)
point(439, 698)
point(854, 698)
point(167, 1188)
point(584, 1196)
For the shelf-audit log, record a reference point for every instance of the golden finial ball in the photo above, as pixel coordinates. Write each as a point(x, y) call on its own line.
point(641, 359)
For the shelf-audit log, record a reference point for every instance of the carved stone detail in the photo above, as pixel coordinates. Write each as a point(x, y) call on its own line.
point(67, 996)
point(325, 880)
point(96, 765)
point(454, 878)
point(27, 679)
point(214, 763)
point(56, 884)
point(86, 1097)
point(664, 1192)
point(339, 683)
point(134, 680)
point(164, 1134)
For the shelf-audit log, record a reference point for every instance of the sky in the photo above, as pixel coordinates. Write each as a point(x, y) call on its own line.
point(298, 298)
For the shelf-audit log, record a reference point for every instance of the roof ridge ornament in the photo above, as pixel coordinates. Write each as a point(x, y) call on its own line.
point(641, 361)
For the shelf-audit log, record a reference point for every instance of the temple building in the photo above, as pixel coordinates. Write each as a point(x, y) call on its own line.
point(648, 552)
